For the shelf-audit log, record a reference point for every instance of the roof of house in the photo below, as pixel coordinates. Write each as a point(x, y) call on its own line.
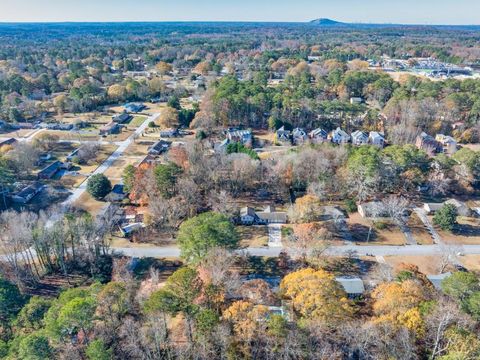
point(51, 169)
point(436, 280)
point(277, 216)
point(445, 139)
point(283, 132)
point(160, 146)
point(352, 286)
point(8, 141)
point(247, 211)
point(340, 132)
point(239, 133)
point(375, 135)
point(428, 140)
point(111, 125)
point(30, 190)
point(333, 211)
point(130, 228)
point(122, 117)
point(318, 133)
point(433, 206)
point(298, 132)
point(134, 107)
point(359, 134)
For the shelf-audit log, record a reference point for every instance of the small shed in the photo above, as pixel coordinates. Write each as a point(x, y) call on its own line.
point(353, 286)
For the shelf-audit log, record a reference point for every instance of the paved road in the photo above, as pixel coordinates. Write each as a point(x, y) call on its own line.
point(377, 251)
point(123, 145)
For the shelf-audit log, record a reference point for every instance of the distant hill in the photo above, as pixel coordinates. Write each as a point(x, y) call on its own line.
point(326, 22)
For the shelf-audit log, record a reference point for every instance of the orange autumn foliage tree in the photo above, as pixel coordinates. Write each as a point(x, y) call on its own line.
point(139, 193)
point(398, 303)
point(179, 156)
point(316, 295)
point(244, 317)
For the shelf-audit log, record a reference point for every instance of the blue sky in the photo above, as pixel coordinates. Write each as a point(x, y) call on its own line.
point(378, 11)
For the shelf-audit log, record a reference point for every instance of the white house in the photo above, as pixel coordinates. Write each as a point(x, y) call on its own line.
point(359, 138)
point(283, 135)
point(299, 135)
point(318, 135)
point(377, 139)
point(338, 136)
point(242, 136)
point(248, 216)
point(449, 144)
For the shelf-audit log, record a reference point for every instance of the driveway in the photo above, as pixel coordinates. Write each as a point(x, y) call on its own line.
point(424, 218)
point(275, 235)
point(410, 240)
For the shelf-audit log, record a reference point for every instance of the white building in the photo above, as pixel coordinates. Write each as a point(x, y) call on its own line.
point(359, 138)
point(338, 136)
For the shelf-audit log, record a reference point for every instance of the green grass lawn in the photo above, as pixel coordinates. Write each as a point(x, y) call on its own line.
point(137, 121)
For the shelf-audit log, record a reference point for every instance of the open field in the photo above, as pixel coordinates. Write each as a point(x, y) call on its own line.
point(114, 173)
point(426, 264)
point(471, 262)
point(253, 236)
point(360, 227)
point(466, 232)
point(138, 148)
point(88, 203)
point(137, 121)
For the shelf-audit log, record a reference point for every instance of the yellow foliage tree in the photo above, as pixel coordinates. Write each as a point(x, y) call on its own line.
point(398, 302)
point(168, 118)
point(163, 67)
point(202, 68)
point(117, 92)
point(316, 294)
point(245, 318)
point(306, 209)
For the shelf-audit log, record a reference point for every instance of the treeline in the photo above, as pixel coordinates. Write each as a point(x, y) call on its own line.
point(206, 310)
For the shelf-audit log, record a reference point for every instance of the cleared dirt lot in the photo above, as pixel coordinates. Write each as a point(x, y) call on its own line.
point(471, 262)
point(428, 265)
point(253, 236)
point(114, 173)
point(359, 228)
point(467, 232)
point(89, 204)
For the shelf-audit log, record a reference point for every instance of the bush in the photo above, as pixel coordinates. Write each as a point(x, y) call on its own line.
point(35, 346)
point(380, 225)
point(237, 147)
point(201, 135)
point(99, 186)
point(97, 350)
point(286, 231)
point(351, 206)
point(446, 217)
